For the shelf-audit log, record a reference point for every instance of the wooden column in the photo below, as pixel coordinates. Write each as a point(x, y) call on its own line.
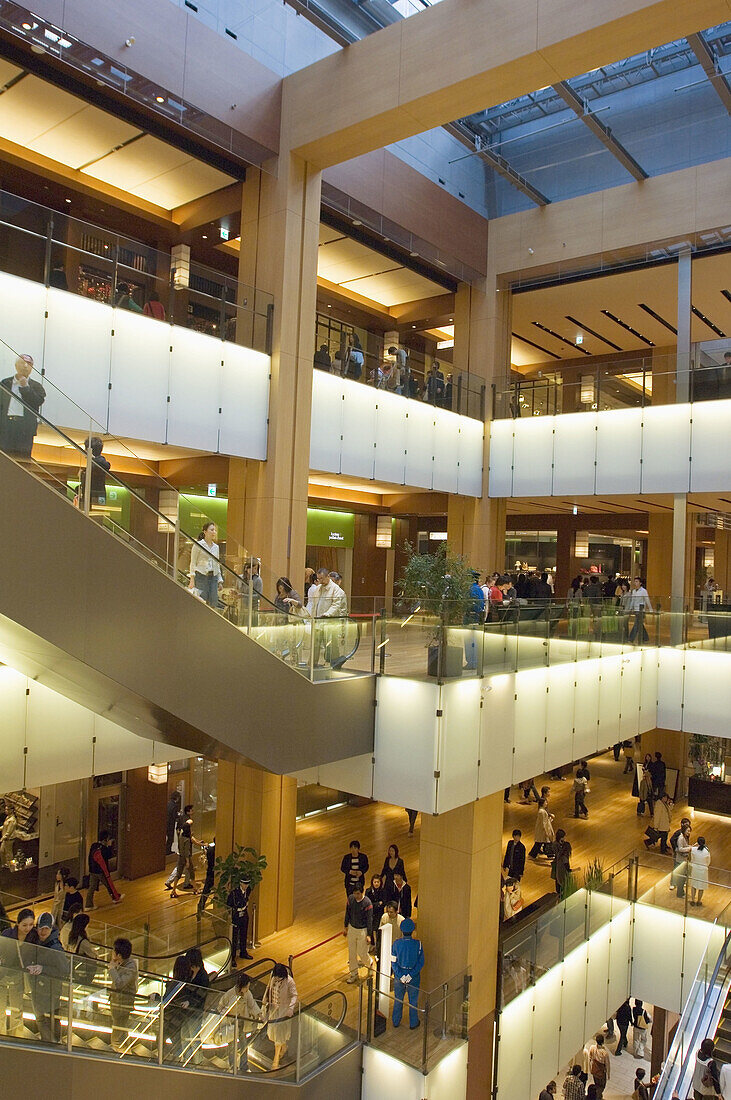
point(476, 525)
point(143, 848)
point(279, 239)
point(258, 809)
point(660, 558)
point(458, 915)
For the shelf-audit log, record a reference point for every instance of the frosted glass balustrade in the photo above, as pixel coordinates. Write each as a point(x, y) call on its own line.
point(372, 434)
point(660, 449)
point(117, 367)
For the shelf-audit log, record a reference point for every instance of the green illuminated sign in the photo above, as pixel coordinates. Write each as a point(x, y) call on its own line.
point(326, 528)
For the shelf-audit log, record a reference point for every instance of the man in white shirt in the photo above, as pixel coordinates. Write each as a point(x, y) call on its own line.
point(639, 603)
point(20, 399)
point(327, 601)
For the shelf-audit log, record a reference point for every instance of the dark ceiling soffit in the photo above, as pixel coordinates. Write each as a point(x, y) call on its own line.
point(70, 79)
point(706, 60)
point(463, 133)
point(580, 108)
point(326, 22)
point(370, 239)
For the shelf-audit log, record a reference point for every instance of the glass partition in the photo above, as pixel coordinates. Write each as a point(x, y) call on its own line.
point(629, 382)
point(65, 253)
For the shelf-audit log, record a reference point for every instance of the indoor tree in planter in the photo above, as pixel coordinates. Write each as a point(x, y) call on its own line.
point(241, 867)
point(439, 585)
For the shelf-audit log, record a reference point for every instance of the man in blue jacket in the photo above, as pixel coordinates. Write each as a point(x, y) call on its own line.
point(407, 960)
point(474, 616)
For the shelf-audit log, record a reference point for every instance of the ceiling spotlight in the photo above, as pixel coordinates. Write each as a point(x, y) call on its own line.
point(27, 26)
point(160, 98)
point(67, 200)
point(357, 221)
point(530, 251)
point(413, 253)
point(130, 41)
point(205, 237)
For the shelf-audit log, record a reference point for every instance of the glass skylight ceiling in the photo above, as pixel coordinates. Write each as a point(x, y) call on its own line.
point(661, 107)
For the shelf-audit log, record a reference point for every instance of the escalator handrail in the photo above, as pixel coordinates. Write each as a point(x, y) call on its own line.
point(324, 997)
point(172, 955)
point(711, 990)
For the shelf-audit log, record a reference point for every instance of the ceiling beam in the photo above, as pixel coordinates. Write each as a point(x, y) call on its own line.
point(581, 108)
point(471, 141)
point(707, 61)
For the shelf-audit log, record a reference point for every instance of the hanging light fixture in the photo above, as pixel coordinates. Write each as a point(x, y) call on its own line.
point(588, 390)
point(581, 544)
point(157, 773)
point(383, 532)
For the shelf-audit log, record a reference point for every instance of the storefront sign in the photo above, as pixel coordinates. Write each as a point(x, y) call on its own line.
point(326, 528)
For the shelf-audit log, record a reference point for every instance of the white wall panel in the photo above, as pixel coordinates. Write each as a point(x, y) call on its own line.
point(113, 752)
point(195, 390)
point(666, 449)
point(711, 446)
point(459, 744)
point(533, 456)
point(471, 445)
point(406, 743)
point(670, 689)
point(446, 451)
point(530, 723)
point(513, 1067)
point(359, 430)
point(631, 688)
point(609, 700)
point(620, 950)
point(573, 995)
point(496, 734)
point(648, 690)
point(140, 373)
point(658, 985)
point(59, 738)
point(76, 360)
point(354, 775)
point(383, 1074)
point(699, 936)
point(12, 737)
point(574, 453)
point(420, 444)
point(560, 715)
point(390, 450)
point(544, 1048)
point(23, 320)
point(597, 1007)
point(244, 402)
point(618, 451)
point(586, 708)
point(326, 425)
point(706, 693)
point(500, 478)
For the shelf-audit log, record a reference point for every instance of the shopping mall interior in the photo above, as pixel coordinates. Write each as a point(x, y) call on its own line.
point(365, 436)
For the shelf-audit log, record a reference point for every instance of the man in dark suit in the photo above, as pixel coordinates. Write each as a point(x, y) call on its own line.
point(20, 399)
point(514, 861)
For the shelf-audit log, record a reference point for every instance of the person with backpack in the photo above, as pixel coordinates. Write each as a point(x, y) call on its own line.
point(640, 1023)
point(706, 1079)
point(599, 1065)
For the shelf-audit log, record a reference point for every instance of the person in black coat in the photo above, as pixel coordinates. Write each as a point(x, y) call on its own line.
point(20, 399)
point(514, 860)
point(45, 960)
point(624, 1019)
point(238, 903)
point(100, 467)
point(658, 771)
point(399, 892)
point(173, 810)
point(353, 867)
point(392, 865)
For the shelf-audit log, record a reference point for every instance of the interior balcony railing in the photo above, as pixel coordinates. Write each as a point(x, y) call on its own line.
point(625, 383)
point(67, 253)
point(161, 524)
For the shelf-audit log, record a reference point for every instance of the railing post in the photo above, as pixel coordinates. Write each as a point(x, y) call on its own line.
point(269, 337)
point(176, 543)
point(313, 628)
point(47, 256)
point(161, 1030)
point(222, 313)
point(236, 1046)
point(445, 989)
point(382, 646)
point(425, 1040)
point(87, 479)
point(70, 1010)
point(298, 1066)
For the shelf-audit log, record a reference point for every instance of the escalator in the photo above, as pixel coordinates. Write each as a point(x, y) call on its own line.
point(102, 618)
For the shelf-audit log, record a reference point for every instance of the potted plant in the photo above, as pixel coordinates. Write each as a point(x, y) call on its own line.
point(438, 585)
point(594, 874)
point(241, 867)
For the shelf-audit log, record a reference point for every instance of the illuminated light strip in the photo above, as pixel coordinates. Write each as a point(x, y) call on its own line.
point(383, 643)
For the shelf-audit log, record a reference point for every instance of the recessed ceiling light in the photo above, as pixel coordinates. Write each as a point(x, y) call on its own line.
point(451, 319)
point(26, 26)
point(357, 221)
point(67, 200)
point(329, 307)
point(413, 326)
point(413, 253)
point(205, 238)
point(160, 98)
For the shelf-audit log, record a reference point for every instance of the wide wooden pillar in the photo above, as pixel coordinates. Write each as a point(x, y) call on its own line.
point(458, 916)
point(279, 238)
point(258, 809)
point(476, 525)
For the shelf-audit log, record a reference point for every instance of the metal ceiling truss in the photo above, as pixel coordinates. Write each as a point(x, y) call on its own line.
point(581, 108)
point(474, 141)
point(708, 62)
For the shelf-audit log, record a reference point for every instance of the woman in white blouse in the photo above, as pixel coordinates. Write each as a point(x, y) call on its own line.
point(205, 571)
point(280, 1000)
point(700, 859)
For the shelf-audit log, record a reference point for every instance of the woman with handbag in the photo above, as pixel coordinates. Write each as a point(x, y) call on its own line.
point(640, 1022)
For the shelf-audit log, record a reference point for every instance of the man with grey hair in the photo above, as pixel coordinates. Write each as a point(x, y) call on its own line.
point(20, 399)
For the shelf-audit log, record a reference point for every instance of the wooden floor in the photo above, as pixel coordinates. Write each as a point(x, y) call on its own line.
point(612, 830)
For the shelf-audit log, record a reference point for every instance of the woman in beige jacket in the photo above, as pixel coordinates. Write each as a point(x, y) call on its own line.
point(544, 833)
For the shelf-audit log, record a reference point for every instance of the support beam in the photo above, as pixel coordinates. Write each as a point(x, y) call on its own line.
point(500, 164)
point(708, 63)
point(581, 108)
point(399, 82)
